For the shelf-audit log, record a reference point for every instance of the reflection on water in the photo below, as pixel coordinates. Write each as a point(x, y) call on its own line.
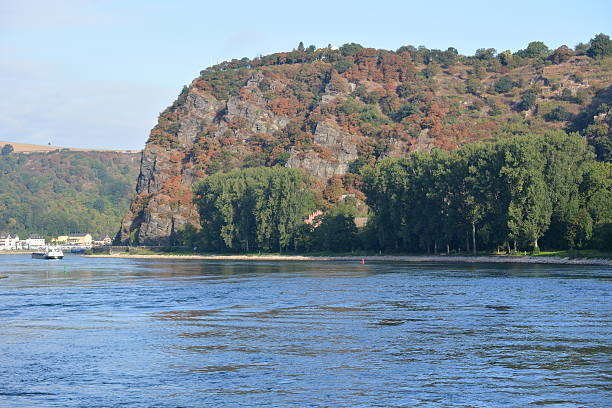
point(136, 333)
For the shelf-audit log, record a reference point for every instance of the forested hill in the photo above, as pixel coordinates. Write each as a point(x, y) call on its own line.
point(59, 192)
point(330, 111)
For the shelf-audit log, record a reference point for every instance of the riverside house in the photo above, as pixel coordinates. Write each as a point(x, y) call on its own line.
point(79, 239)
point(102, 240)
point(34, 241)
point(9, 242)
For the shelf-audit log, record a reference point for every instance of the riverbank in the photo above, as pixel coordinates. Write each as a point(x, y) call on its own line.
point(375, 258)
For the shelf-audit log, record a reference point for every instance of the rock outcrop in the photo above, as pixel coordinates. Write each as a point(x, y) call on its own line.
point(332, 151)
point(330, 111)
point(200, 134)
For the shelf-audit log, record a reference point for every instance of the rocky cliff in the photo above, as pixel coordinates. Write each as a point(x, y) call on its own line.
point(330, 111)
point(201, 134)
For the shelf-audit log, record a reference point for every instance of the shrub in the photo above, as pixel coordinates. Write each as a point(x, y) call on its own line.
point(503, 85)
point(7, 149)
point(559, 114)
point(528, 100)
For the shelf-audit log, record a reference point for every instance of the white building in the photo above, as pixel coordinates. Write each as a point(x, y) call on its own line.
point(102, 240)
point(35, 241)
point(8, 242)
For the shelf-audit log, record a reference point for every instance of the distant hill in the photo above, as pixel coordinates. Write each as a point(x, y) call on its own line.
point(34, 148)
point(62, 191)
point(332, 110)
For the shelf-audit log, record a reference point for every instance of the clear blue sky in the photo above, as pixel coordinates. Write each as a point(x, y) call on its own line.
point(96, 73)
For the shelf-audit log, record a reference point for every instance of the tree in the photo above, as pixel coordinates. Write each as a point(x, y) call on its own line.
point(561, 54)
point(343, 65)
point(257, 208)
point(566, 95)
point(528, 100)
point(599, 135)
point(449, 57)
point(385, 185)
point(581, 48)
point(558, 114)
point(567, 159)
point(529, 208)
point(503, 85)
point(7, 149)
point(405, 111)
point(350, 49)
point(579, 229)
point(505, 58)
point(338, 231)
point(485, 53)
point(600, 46)
point(300, 47)
point(535, 49)
point(470, 192)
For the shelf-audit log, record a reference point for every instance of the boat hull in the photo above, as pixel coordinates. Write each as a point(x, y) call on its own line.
point(45, 256)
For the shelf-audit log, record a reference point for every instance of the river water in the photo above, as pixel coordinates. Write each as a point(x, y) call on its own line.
point(85, 332)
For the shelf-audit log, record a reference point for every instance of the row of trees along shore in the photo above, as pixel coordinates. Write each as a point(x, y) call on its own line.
point(514, 194)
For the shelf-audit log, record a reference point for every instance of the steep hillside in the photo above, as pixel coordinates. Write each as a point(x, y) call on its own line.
point(330, 111)
point(62, 191)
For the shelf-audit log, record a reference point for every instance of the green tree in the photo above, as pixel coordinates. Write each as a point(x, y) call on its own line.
point(567, 159)
point(530, 206)
point(470, 187)
point(343, 65)
point(528, 100)
point(338, 232)
point(558, 114)
point(405, 111)
point(485, 53)
point(385, 185)
point(503, 85)
point(350, 49)
point(600, 46)
point(505, 58)
point(535, 49)
point(257, 208)
point(600, 136)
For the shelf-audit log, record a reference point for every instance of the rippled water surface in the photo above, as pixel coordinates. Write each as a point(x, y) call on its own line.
point(86, 332)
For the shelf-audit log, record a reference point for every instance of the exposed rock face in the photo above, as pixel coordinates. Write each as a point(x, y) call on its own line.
point(333, 150)
point(163, 201)
point(200, 134)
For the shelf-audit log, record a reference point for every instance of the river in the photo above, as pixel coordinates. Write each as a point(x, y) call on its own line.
point(86, 332)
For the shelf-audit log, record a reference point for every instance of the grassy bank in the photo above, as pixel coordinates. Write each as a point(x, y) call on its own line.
point(577, 253)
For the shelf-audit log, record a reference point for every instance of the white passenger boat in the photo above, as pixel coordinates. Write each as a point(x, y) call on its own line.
point(50, 253)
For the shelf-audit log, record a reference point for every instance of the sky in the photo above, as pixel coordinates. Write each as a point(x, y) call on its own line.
point(97, 73)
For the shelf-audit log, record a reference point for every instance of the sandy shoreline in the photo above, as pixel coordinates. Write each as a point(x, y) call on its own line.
point(385, 258)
